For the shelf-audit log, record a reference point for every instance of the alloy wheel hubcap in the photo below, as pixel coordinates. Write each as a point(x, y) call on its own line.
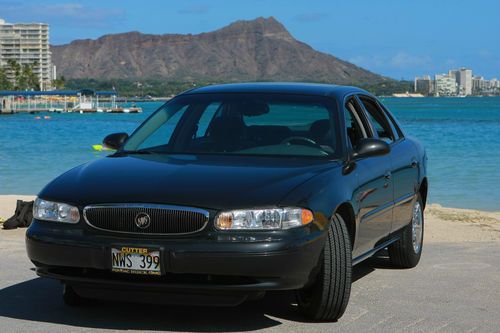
point(417, 227)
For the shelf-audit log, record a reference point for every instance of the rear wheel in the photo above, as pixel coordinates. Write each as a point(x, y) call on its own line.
point(70, 296)
point(406, 252)
point(326, 299)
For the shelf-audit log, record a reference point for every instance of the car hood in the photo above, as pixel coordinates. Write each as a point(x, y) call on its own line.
point(207, 181)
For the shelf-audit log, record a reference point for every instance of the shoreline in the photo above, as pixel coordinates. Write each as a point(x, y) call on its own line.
point(443, 224)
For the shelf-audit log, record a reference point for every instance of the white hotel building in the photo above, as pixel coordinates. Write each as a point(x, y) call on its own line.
point(445, 85)
point(27, 43)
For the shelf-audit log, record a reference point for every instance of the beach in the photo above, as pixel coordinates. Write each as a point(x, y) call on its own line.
point(8, 204)
point(441, 224)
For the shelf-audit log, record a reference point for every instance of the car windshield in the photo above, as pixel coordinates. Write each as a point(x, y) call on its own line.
point(242, 124)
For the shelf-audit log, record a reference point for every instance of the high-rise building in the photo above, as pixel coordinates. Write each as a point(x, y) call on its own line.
point(454, 74)
point(444, 85)
point(464, 80)
point(495, 83)
point(27, 44)
point(478, 85)
point(423, 85)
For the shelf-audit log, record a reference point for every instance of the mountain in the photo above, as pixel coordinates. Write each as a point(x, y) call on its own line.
point(260, 49)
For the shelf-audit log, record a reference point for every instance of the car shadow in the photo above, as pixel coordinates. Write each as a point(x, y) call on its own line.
point(379, 261)
point(40, 300)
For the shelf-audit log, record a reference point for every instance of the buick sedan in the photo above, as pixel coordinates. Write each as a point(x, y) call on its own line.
point(229, 191)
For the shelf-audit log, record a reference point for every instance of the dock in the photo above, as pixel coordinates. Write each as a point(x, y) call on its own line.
point(94, 110)
point(111, 110)
point(62, 101)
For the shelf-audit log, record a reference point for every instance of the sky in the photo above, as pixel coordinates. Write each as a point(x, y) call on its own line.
point(395, 38)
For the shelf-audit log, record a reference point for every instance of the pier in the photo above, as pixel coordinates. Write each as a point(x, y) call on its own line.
point(62, 101)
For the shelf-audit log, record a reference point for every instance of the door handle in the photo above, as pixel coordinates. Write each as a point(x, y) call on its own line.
point(387, 177)
point(414, 163)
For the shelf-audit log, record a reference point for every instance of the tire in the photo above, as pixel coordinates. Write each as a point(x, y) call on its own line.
point(404, 253)
point(326, 299)
point(70, 297)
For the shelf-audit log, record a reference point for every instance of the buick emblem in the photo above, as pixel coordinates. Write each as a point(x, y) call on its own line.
point(142, 220)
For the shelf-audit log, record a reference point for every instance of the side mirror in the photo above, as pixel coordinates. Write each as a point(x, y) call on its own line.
point(371, 147)
point(115, 141)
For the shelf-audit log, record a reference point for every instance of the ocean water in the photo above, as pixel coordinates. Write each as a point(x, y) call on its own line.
point(461, 135)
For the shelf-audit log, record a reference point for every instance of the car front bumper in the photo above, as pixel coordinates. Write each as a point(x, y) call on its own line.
point(214, 263)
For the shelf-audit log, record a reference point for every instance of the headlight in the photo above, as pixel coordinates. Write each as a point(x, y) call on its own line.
point(55, 211)
point(263, 219)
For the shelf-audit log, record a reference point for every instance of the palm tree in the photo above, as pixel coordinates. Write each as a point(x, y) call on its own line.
point(15, 69)
point(24, 77)
point(5, 84)
point(30, 79)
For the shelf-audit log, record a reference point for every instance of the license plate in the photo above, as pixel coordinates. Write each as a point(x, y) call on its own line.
point(135, 260)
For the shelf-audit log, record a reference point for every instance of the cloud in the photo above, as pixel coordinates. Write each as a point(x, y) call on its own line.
point(400, 60)
point(311, 17)
point(398, 65)
point(484, 53)
point(450, 62)
point(195, 10)
point(63, 14)
point(404, 60)
point(372, 61)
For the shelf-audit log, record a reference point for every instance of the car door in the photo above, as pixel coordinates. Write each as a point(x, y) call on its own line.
point(373, 194)
point(404, 171)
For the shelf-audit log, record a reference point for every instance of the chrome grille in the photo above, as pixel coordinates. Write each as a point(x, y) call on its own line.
point(164, 219)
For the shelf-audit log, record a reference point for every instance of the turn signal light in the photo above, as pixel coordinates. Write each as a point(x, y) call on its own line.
point(264, 219)
point(307, 216)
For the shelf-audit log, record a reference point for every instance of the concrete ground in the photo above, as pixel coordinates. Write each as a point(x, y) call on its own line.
point(455, 288)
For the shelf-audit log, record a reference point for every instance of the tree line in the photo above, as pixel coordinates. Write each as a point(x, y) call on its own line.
point(26, 79)
point(161, 88)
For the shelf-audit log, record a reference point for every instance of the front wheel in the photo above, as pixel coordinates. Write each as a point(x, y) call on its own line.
point(406, 252)
point(326, 299)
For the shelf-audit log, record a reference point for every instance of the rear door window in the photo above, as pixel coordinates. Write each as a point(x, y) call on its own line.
point(378, 120)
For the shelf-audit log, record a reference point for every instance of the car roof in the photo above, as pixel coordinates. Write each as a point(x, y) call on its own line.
point(316, 89)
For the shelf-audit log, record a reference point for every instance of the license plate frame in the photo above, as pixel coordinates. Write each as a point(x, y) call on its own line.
point(136, 260)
